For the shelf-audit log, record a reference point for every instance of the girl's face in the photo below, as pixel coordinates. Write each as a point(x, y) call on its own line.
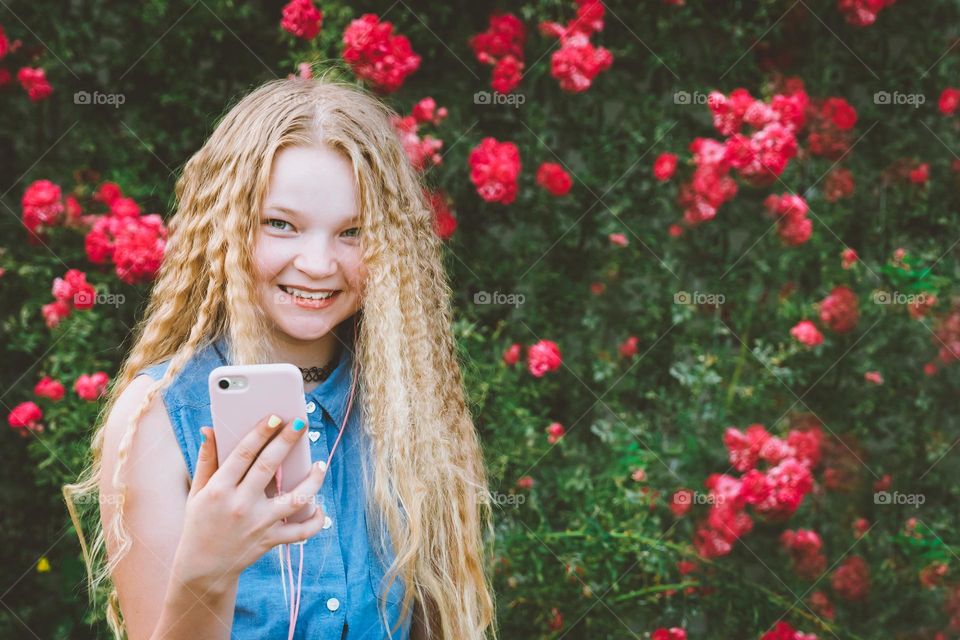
point(307, 255)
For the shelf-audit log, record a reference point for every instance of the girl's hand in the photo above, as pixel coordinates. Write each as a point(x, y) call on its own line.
point(229, 521)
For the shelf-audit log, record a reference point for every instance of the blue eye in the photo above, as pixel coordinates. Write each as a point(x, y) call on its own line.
point(271, 221)
point(357, 229)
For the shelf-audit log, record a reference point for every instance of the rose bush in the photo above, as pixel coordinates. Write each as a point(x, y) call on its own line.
point(704, 259)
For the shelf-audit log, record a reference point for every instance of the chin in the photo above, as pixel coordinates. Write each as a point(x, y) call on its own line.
point(301, 333)
point(301, 325)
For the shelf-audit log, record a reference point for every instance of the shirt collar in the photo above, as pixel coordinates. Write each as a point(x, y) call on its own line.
point(333, 394)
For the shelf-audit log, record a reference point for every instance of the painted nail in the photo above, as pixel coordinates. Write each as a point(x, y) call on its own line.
point(274, 421)
point(298, 424)
point(203, 436)
point(320, 464)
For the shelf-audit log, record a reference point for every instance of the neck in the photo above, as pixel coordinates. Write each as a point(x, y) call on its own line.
point(311, 353)
point(306, 353)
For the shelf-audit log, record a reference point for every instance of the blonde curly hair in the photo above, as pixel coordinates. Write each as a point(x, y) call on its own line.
point(429, 485)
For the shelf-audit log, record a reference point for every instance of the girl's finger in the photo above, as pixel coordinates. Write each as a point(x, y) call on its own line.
point(287, 504)
point(291, 532)
point(264, 467)
point(206, 460)
point(236, 464)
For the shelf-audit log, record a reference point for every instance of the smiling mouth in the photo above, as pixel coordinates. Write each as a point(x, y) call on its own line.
point(305, 294)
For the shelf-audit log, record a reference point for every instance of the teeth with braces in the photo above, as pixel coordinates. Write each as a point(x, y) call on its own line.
point(306, 294)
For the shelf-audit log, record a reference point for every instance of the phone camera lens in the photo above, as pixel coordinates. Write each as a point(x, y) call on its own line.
point(224, 383)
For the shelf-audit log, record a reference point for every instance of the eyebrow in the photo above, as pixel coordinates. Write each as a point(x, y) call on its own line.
point(294, 212)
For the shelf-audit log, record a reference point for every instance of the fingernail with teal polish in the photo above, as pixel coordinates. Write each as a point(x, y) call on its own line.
point(298, 424)
point(203, 437)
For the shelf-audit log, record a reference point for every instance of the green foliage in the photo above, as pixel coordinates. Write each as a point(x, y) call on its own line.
point(586, 538)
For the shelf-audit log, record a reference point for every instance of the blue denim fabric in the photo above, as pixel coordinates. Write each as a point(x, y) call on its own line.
point(342, 574)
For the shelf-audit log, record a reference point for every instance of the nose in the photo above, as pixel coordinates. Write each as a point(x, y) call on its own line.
point(315, 259)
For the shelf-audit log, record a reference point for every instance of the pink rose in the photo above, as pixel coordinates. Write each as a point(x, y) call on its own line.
point(49, 388)
point(91, 387)
point(543, 357)
point(806, 333)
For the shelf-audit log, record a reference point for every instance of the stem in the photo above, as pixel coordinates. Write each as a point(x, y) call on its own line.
point(742, 356)
point(661, 587)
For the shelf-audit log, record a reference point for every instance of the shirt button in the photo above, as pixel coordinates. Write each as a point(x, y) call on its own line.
point(311, 406)
point(333, 604)
point(327, 522)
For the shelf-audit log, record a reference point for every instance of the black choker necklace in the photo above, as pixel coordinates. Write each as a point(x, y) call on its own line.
point(319, 374)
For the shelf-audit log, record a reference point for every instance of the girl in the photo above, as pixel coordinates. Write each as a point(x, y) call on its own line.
point(301, 235)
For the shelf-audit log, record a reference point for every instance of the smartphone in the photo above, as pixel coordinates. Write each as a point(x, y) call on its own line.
point(241, 395)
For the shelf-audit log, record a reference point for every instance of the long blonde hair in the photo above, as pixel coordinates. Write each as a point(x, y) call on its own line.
point(429, 484)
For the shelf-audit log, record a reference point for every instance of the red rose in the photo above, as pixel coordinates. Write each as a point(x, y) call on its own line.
point(628, 348)
point(851, 580)
point(301, 19)
point(49, 388)
point(34, 82)
point(840, 112)
point(91, 387)
point(554, 179)
point(54, 312)
point(42, 205)
point(494, 167)
point(806, 333)
point(673, 633)
point(664, 166)
point(25, 417)
point(512, 355)
point(840, 310)
point(554, 432)
point(376, 55)
point(949, 101)
point(920, 174)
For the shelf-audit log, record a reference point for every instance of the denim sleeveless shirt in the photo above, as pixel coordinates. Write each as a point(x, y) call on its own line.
point(341, 588)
